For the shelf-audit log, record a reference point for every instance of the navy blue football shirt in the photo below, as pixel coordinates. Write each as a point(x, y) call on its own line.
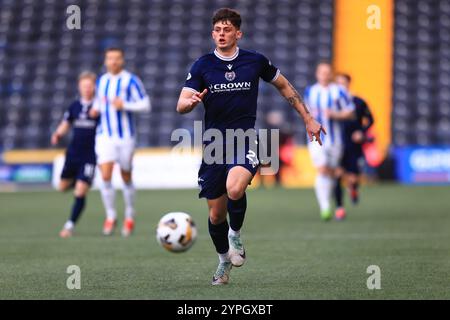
point(82, 144)
point(232, 84)
point(350, 126)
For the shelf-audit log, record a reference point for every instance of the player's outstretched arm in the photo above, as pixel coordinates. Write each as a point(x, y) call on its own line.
point(138, 101)
point(60, 132)
point(188, 100)
point(347, 111)
point(94, 112)
point(141, 105)
point(287, 90)
point(341, 115)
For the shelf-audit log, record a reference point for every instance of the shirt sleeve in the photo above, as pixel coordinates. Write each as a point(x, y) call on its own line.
point(137, 99)
point(306, 96)
point(345, 100)
point(269, 72)
point(68, 114)
point(368, 115)
point(194, 81)
point(97, 101)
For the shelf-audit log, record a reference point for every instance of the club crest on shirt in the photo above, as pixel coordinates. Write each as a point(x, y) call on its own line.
point(230, 76)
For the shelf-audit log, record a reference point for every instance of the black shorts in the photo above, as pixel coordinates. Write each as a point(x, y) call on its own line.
point(83, 170)
point(351, 159)
point(212, 178)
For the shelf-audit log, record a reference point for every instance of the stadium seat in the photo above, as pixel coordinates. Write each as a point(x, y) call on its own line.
point(421, 102)
point(40, 59)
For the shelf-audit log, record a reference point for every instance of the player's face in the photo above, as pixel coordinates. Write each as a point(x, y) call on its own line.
point(86, 88)
point(324, 74)
point(114, 61)
point(342, 81)
point(225, 35)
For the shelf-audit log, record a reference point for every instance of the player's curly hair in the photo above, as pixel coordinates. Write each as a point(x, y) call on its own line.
point(227, 14)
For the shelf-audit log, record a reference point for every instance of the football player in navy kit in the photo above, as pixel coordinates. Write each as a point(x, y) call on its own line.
point(355, 135)
point(226, 81)
point(79, 166)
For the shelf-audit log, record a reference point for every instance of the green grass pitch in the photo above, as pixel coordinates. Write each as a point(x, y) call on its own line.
point(291, 253)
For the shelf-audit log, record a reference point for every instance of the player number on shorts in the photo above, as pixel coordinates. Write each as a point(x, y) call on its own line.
point(251, 156)
point(89, 170)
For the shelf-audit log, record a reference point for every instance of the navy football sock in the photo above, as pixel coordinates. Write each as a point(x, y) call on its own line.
point(77, 208)
point(219, 235)
point(236, 210)
point(338, 193)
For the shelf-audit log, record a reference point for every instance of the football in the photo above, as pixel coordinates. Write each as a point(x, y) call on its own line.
point(176, 232)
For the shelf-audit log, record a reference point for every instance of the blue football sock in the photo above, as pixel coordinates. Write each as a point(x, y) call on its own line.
point(236, 210)
point(219, 236)
point(338, 193)
point(77, 208)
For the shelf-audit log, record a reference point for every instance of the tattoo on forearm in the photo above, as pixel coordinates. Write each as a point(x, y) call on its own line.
point(296, 97)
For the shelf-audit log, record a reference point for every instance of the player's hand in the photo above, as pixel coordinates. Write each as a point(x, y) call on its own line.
point(197, 98)
point(117, 103)
point(314, 128)
point(358, 137)
point(55, 139)
point(94, 113)
point(330, 114)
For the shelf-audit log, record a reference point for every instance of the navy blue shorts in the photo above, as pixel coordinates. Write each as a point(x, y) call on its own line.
point(212, 178)
point(79, 170)
point(350, 160)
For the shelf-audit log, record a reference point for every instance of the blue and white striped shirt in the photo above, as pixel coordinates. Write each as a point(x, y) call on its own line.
point(119, 124)
point(333, 97)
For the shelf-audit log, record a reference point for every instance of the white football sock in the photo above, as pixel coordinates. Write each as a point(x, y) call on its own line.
point(69, 225)
point(323, 186)
point(233, 233)
point(223, 257)
point(128, 197)
point(108, 197)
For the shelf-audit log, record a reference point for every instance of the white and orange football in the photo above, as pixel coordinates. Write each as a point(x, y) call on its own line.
point(176, 231)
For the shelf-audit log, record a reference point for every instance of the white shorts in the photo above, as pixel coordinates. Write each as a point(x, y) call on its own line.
point(115, 150)
point(325, 156)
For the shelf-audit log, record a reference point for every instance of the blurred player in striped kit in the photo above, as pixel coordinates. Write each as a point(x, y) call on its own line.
point(119, 95)
point(330, 104)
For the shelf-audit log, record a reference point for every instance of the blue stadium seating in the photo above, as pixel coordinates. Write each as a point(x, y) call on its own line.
point(421, 99)
point(40, 58)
